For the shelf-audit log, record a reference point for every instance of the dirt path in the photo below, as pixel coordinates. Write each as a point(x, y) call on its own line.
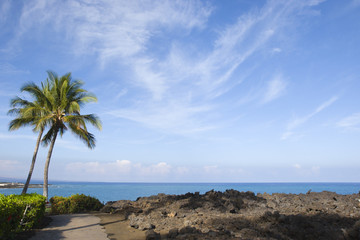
point(117, 228)
point(72, 226)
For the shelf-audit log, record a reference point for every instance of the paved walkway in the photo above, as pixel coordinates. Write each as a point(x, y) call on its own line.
point(72, 226)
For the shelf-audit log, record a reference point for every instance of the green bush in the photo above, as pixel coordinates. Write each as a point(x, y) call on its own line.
point(78, 203)
point(59, 205)
point(12, 213)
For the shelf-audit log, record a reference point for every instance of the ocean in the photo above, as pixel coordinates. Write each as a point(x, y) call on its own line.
point(131, 191)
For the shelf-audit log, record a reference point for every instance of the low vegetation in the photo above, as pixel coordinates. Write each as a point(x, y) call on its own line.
point(77, 203)
point(19, 213)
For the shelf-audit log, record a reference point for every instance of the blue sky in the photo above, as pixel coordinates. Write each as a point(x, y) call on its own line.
point(192, 91)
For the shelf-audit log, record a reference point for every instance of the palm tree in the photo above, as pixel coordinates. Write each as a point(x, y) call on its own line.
point(64, 98)
point(26, 113)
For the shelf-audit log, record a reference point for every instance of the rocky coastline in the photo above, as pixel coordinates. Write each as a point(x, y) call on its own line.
point(18, 185)
point(243, 215)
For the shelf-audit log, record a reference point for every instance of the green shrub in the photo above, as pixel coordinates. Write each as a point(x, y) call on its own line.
point(78, 203)
point(59, 205)
point(12, 217)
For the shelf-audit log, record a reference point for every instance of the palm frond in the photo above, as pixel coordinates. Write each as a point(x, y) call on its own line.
point(14, 111)
point(18, 102)
point(73, 107)
point(49, 136)
point(19, 122)
point(84, 135)
point(33, 90)
point(52, 75)
point(93, 120)
point(81, 120)
point(88, 98)
point(57, 104)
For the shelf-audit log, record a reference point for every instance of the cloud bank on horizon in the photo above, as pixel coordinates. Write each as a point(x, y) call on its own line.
point(221, 88)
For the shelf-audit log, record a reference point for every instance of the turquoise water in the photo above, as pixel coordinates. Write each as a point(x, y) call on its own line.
point(130, 191)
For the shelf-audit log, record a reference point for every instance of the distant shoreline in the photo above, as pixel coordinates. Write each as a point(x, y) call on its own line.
point(18, 185)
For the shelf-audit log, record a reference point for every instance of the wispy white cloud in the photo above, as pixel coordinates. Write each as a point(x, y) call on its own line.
point(121, 169)
point(276, 50)
point(8, 165)
point(7, 68)
point(161, 168)
point(185, 76)
point(306, 170)
point(113, 29)
point(297, 122)
point(4, 10)
point(118, 167)
point(73, 145)
point(298, 166)
point(149, 79)
point(6, 94)
point(178, 118)
point(118, 30)
point(122, 93)
point(355, 3)
point(351, 122)
point(325, 104)
point(176, 88)
point(59, 142)
point(276, 87)
point(125, 170)
point(211, 169)
point(11, 168)
point(16, 136)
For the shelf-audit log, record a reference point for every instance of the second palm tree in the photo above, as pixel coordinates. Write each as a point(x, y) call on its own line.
point(64, 98)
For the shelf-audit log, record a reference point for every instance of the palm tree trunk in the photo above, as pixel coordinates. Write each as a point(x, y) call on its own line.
point(32, 163)
point(47, 163)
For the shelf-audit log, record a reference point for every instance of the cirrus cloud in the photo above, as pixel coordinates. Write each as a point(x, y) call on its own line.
point(351, 122)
